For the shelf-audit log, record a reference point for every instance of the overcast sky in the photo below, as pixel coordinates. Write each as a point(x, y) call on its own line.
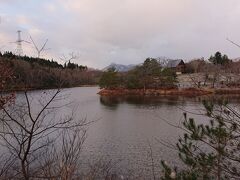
point(123, 31)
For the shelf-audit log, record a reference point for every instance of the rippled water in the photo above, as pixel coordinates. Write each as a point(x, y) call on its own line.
point(125, 129)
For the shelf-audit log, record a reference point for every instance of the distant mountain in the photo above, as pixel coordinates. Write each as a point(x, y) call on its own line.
point(236, 59)
point(124, 68)
point(120, 67)
point(163, 60)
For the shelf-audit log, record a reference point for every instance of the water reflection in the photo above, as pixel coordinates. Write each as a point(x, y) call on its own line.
point(113, 102)
point(139, 101)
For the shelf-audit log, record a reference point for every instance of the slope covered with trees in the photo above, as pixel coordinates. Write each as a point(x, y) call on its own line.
point(36, 73)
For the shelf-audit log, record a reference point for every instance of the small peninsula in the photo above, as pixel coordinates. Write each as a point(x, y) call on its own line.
point(156, 77)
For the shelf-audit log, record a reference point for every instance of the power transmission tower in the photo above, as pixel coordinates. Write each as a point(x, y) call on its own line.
point(39, 49)
point(19, 41)
point(19, 50)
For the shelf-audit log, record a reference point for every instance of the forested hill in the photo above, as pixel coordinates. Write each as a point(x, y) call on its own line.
point(37, 73)
point(42, 62)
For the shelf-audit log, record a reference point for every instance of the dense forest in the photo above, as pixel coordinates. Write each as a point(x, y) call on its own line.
point(36, 73)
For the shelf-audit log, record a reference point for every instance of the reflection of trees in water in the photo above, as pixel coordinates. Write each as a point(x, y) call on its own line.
point(148, 101)
point(140, 101)
point(233, 99)
point(111, 102)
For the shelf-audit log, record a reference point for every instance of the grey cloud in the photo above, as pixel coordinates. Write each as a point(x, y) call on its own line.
point(127, 31)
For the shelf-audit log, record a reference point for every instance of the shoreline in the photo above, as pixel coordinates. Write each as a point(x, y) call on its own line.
point(147, 92)
point(42, 88)
point(173, 91)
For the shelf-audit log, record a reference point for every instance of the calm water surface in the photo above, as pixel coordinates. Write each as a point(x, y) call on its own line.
point(126, 128)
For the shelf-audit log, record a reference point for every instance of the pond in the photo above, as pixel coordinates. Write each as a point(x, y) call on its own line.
point(128, 131)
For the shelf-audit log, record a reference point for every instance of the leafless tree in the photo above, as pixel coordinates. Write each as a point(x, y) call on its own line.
point(214, 73)
point(67, 58)
point(62, 160)
point(27, 132)
point(6, 75)
point(102, 169)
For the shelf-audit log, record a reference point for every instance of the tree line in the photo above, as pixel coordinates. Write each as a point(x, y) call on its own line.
point(43, 62)
point(154, 73)
point(150, 74)
point(216, 61)
point(36, 73)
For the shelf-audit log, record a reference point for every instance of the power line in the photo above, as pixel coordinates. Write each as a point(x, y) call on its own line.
point(233, 43)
